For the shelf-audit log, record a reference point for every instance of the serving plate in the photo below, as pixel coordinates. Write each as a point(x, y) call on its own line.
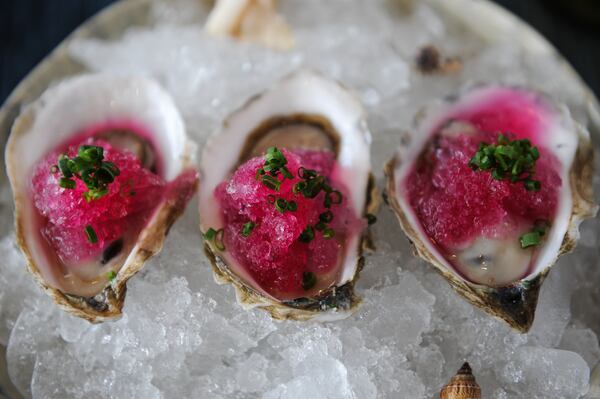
point(482, 18)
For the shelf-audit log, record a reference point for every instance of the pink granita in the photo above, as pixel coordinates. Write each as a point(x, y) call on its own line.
point(457, 204)
point(272, 252)
point(123, 211)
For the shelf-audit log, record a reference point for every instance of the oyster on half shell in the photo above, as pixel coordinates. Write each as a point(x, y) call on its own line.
point(495, 268)
point(303, 111)
point(131, 114)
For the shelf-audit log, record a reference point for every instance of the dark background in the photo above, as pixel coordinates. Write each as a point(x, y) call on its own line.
point(30, 29)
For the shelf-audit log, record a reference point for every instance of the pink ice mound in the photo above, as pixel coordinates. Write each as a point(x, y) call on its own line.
point(456, 204)
point(272, 253)
point(124, 210)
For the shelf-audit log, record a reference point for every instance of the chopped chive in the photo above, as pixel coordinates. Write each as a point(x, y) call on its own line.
point(111, 275)
point(111, 168)
point(299, 187)
point(63, 165)
point(326, 217)
point(530, 239)
point(307, 235)
point(67, 183)
point(91, 153)
point(259, 173)
point(320, 226)
point(89, 168)
point(306, 174)
point(286, 173)
point(371, 219)
point(309, 280)
point(270, 182)
point(328, 233)
point(281, 205)
point(247, 229)
point(292, 206)
point(104, 176)
point(271, 199)
point(532, 185)
point(210, 234)
point(513, 160)
point(313, 187)
point(91, 234)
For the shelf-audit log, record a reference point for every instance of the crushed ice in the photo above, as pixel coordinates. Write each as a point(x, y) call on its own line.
point(183, 336)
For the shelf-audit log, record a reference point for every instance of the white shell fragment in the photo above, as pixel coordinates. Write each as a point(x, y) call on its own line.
point(255, 21)
point(305, 100)
point(67, 109)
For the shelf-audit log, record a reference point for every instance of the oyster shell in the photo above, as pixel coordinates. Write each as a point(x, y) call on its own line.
point(508, 285)
point(254, 21)
point(304, 110)
point(49, 124)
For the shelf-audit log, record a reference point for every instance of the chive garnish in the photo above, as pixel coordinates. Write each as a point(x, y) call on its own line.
point(299, 187)
point(310, 186)
point(286, 173)
point(326, 217)
point(91, 234)
point(274, 164)
point(534, 237)
point(281, 205)
point(309, 280)
point(270, 182)
point(512, 160)
point(111, 275)
point(89, 167)
point(307, 174)
point(532, 185)
point(67, 183)
point(247, 228)
point(530, 239)
point(292, 206)
point(307, 235)
point(371, 219)
point(210, 234)
point(328, 233)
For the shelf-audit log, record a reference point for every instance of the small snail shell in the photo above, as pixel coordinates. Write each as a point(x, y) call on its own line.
point(462, 385)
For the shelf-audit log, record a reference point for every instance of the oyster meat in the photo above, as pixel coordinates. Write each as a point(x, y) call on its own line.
point(491, 189)
point(286, 188)
point(100, 167)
